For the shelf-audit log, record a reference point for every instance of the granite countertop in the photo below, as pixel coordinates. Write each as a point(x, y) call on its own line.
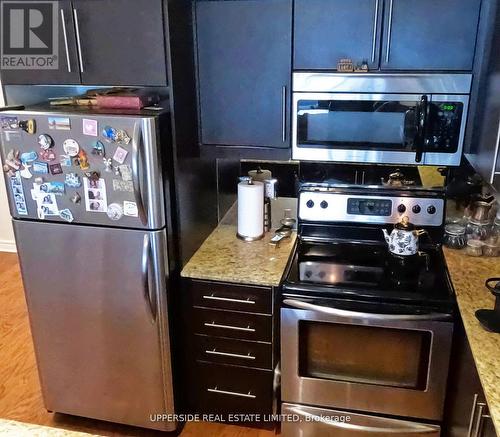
point(468, 275)
point(223, 257)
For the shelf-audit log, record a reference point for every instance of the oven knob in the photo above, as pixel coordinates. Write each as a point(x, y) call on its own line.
point(321, 275)
point(416, 209)
point(401, 208)
point(310, 204)
point(431, 209)
point(324, 204)
point(308, 273)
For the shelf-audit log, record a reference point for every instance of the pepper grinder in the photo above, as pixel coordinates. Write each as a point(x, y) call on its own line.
point(269, 194)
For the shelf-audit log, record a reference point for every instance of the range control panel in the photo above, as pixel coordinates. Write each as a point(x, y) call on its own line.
point(324, 206)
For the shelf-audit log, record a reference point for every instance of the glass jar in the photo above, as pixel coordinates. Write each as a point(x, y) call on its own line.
point(491, 247)
point(476, 230)
point(495, 229)
point(454, 236)
point(474, 248)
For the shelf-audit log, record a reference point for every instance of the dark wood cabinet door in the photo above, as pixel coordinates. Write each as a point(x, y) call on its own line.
point(121, 42)
point(244, 69)
point(67, 72)
point(328, 30)
point(430, 34)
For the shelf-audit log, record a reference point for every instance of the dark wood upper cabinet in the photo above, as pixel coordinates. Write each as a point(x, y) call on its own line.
point(121, 42)
point(243, 70)
point(326, 31)
point(104, 42)
point(68, 71)
point(430, 34)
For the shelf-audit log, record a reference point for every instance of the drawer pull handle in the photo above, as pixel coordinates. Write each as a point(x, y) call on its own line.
point(227, 354)
point(235, 328)
point(231, 393)
point(229, 299)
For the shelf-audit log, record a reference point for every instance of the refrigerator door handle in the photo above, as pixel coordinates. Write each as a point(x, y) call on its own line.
point(150, 303)
point(136, 155)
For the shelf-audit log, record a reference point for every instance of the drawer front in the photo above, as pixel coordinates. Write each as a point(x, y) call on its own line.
point(229, 389)
point(232, 297)
point(236, 352)
point(230, 324)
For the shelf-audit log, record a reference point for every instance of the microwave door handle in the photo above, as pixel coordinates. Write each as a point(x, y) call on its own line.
point(421, 127)
point(295, 303)
point(410, 429)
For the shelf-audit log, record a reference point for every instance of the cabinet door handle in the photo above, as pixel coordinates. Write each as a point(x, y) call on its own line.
point(495, 158)
point(375, 29)
point(65, 35)
point(229, 299)
point(479, 423)
point(231, 393)
point(283, 113)
point(228, 354)
point(78, 42)
point(472, 415)
point(389, 32)
point(234, 328)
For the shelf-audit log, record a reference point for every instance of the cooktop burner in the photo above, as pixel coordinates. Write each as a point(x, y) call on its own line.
point(369, 272)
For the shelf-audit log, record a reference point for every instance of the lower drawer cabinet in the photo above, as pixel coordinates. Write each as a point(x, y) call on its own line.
point(235, 352)
point(233, 390)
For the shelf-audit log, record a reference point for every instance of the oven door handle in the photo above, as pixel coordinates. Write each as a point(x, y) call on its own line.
point(355, 314)
point(409, 430)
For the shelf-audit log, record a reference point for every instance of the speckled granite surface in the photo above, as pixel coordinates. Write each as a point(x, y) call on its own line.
point(223, 257)
point(21, 429)
point(468, 276)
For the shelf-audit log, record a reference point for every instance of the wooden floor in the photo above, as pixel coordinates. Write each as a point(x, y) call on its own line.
point(20, 396)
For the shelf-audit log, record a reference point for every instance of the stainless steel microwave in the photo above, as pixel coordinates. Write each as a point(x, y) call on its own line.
point(380, 118)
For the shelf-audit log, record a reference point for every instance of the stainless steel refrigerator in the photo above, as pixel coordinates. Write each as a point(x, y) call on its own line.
point(89, 193)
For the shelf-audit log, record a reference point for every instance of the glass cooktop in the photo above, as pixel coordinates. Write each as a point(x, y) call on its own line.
point(368, 272)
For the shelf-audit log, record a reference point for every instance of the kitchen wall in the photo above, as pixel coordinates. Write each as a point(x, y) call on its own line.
point(7, 243)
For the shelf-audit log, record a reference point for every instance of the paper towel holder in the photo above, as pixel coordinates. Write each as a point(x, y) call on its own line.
point(249, 180)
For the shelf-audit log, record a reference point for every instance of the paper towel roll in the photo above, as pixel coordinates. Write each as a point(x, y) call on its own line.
point(260, 175)
point(250, 210)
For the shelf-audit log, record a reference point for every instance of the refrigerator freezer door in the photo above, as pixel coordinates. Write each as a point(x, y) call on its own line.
point(97, 306)
point(129, 191)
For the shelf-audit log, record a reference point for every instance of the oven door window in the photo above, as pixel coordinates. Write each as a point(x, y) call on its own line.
point(357, 124)
point(366, 355)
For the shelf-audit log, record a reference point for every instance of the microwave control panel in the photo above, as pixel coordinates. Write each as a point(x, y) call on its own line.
point(445, 119)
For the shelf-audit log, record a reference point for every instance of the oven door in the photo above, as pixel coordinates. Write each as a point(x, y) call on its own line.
point(393, 364)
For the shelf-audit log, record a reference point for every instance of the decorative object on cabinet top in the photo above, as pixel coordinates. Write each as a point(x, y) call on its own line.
point(222, 257)
point(468, 276)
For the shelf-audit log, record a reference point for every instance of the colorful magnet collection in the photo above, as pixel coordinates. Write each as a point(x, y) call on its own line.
point(79, 169)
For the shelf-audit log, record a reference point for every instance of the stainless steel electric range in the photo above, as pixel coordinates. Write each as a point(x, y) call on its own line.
point(365, 335)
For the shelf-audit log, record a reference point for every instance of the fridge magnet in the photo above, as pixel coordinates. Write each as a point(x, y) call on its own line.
point(50, 187)
point(95, 195)
point(115, 211)
point(28, 157)
point(73, 180)
point(40, 167)
point(38, 180)
point(71, 147)
point(76, 198)
point(130, 209)
point(18, 193)
point(9, 122)
point(93, 177)
point(47, 205)
point(98, 148)
point(45, 141)
point(59, 123)
point(83, 160)
point(55, 169)
point(66, 214)
point(12, 162)
point(25, 172)
point(119, 185)
point(65, 161)
point(28, 126)
point(90, 127)
point(125, 172)
point(120, 155)
point(75, 161)
point(47, 155)
point(112, 135)
point(108, 164)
